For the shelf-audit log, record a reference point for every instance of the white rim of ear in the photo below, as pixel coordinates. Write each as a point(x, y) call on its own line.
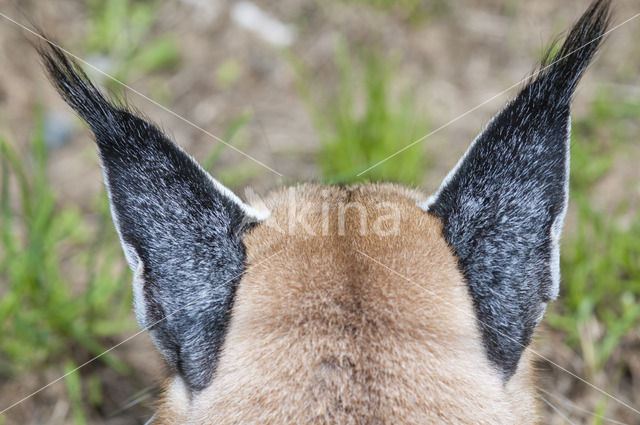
point(256, 214)
point(426, 204)
point(129, 253)
point(139, 306)
point(556, 227)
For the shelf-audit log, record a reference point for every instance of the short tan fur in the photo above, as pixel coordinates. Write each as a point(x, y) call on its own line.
point(321, 333)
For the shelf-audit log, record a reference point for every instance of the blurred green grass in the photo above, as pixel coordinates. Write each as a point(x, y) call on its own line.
point(122, 32)
point(414, 11)
point(361, 122)
point(46, 318)
point(601, 254)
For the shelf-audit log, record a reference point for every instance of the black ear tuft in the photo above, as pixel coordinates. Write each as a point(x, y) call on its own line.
point(503, 205)
point(560, 73)
point(180, 229)
point(77, 90)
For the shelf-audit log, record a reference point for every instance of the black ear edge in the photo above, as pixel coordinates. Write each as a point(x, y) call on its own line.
point(558, 73)
point(75, 87)
point(549, 92)
point(558, 223)
point(563, 67)
point(103, 114)
point(504, 343)
point(117, 128)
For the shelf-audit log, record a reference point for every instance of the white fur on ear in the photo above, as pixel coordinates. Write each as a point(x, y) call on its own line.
point(134, 262)
point(503, 205)
point(139, 302)
point(129, 252)
point(427, 203)
point(178, 397)
point(180, 229)
point(257, 203)
point(556, 227)
point(257, 215)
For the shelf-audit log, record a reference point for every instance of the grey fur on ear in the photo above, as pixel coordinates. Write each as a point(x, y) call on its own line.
point(180, 229)
point(503, 205)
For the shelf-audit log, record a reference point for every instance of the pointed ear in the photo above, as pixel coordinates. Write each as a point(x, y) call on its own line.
point(180, 229)
point(503, 205)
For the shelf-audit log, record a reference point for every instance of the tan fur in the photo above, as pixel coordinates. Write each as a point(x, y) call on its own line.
point(322, 334)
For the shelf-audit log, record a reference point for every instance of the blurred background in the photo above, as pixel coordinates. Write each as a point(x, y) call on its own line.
point(317, 90)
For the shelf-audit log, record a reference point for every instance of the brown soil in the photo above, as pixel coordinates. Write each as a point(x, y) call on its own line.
point(454, 59)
